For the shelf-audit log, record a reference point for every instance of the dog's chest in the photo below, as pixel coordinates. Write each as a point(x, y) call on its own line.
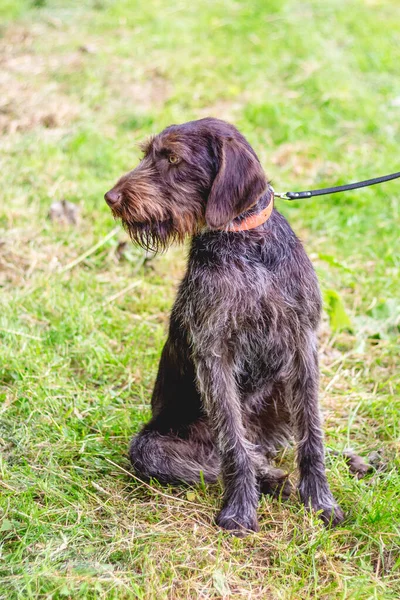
point(237, 306)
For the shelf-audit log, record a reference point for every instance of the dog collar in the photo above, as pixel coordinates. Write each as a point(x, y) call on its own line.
point(253, 221)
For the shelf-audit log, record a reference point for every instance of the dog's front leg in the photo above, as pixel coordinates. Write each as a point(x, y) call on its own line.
point(313, 486)
point(221, 400)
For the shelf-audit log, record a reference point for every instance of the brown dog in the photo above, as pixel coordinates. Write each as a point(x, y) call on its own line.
point(239, 371)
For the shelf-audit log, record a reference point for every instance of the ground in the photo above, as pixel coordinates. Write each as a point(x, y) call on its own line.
point(315, 88)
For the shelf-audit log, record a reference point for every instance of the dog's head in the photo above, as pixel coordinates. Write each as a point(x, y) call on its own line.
point(201, 173)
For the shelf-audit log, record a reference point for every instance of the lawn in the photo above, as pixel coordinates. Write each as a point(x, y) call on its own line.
point(83, 314)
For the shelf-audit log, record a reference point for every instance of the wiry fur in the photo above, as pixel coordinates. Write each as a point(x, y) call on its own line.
point(239, 371)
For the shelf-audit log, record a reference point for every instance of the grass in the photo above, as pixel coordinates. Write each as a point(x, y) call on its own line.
point(315, 88)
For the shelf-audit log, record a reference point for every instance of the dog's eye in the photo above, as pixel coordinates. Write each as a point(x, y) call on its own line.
point(173, 159)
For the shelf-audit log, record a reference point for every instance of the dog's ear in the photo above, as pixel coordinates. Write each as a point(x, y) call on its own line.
point(239, 183)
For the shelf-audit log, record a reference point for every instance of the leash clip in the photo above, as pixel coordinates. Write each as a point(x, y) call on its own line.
point(282, 195)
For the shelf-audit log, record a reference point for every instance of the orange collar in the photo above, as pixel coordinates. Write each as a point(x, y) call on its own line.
point(253, 221)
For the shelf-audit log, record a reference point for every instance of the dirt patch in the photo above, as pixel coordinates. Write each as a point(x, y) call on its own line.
point(29, 99)
point(139, 89)
point(32, 97)
point(22, 107)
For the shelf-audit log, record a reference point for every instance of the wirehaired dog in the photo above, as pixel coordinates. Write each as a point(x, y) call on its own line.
point(238, 374)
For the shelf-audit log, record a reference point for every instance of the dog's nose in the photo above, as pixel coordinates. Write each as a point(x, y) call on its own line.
point(112, 197)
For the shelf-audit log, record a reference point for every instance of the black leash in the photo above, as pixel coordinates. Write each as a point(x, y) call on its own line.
point(339, 188)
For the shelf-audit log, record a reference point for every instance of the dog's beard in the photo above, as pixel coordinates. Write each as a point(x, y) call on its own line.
point(153, 237)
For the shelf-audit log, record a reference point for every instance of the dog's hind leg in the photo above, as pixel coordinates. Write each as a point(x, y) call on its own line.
point(175, 457)
point(176, 445)
point(271, 480)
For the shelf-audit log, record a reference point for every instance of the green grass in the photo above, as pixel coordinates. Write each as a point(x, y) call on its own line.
point(315, 88)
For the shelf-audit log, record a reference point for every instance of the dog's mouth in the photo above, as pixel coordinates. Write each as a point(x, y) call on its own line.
point(116, 210)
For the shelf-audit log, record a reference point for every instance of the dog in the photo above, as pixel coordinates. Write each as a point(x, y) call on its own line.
point(238, 375)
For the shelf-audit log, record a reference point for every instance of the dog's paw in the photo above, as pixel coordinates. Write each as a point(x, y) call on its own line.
point(319, 499)
point(277, 486)
point(330, 515)
point(239, 524)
